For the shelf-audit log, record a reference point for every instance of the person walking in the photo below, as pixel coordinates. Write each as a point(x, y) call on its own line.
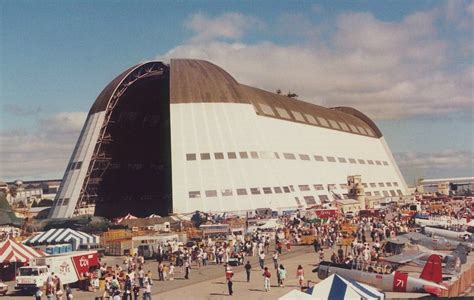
point(147, 292)
point(300, 276)
point(38, 294)
point(261, 259)
point(282, 275)
point(321, 255)
point(160, 272)
point(275, 260)
point(69, 295)
point(248, 269)
point(228, 275)
point(171, 272)
point(187, 267)
point(266, 279)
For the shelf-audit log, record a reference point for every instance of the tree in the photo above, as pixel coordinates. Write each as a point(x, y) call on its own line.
point(291, 95)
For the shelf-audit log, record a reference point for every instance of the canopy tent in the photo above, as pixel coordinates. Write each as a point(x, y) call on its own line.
point(62, 235)
point(296, 295)
point(13, 252)
point(336, 287)
point(127, 217)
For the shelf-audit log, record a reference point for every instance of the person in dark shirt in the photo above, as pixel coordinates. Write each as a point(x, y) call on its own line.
point(248, 269)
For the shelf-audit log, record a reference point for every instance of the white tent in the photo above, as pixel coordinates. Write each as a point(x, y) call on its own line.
point(295, 295)
point(336, 287)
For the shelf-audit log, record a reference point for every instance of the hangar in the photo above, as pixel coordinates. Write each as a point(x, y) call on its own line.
point(185, 136)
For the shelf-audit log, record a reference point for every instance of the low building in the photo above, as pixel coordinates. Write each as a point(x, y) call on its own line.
point(348, 205)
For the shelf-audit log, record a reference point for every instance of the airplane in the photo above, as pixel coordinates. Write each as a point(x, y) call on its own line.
point(450, 234)
point(435, 243)
point(430, 280)
point(420, 255)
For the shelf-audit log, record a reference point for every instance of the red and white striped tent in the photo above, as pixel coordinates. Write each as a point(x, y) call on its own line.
point(13, 252)
point(127, 217)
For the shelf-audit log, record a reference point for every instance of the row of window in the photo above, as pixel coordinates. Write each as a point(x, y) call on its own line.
point(278, 190)
point(276, 155)
point(74, 165)
point(304, 117)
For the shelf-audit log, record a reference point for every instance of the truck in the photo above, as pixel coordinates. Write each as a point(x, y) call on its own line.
point(68, 267)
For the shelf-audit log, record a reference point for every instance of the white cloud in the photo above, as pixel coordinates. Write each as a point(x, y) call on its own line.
point(385, 69)
point(43, 152)
point(415, 165)
point(228, 25)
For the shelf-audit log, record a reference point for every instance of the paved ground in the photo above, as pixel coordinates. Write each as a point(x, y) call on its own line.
point(209, 282)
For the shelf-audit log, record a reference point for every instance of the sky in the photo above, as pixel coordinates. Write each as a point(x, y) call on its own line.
point(406, 64)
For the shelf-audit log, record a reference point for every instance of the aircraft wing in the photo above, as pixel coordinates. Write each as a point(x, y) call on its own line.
point(405, 257)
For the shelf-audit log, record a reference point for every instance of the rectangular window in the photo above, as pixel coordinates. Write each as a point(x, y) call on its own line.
point(303, 187)
point(195, 194)
point(343, 186)
point(318, 187)
point(283, 113)
point(344, 126)
point(395, 184)
point(231, 155)
point(342, 160)
point(267, 190)
point(368, 193)
point(277, 156)
point(372, 184)
point(389, 184)
point(73, 166)
point(309, 200)
point(378, 162)
point(205, 156)
point(255, 191)
point(277, 190)
point(331, 187)
point(331, 158)
point(399, 192)
point(286, 189)
point(385, 163)
point(241, 192)
point(304, 157)
point(298, 116)
point(334, 124)
point(190, 156)
point(297, 201)
point(266, 109)
point(362, 130)
point(353, 128)
point(289, 156)
point(370, 162)
point(66, 202)
point(318, 158)
point(219, 155)
point(253, 154)
point(243, 155)
point(211, 193)
point(386, 194)
point(226, 192)
point(352, 161)
point(376, 193)
point(381, 184)
point(392, 192)
point(311, 119)
point(323, 198)
point(369, 131)
point(365, 185)
point(323, 121)
point(78, 164)
point(361, 161)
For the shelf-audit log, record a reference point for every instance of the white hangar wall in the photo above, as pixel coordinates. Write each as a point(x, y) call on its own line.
point(212, 184)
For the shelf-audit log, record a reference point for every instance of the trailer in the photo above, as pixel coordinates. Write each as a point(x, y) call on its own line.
point(68, 267)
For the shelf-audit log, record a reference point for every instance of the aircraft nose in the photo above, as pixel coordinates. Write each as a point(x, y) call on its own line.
point(433, 290)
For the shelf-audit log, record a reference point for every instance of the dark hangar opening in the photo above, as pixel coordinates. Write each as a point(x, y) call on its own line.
point(138, 179)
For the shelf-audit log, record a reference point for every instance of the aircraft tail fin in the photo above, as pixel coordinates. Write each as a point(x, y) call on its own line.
point(456, 259)
point(432, 270)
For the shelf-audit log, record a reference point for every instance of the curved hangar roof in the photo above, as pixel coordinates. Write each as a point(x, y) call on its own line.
point(199, 81)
